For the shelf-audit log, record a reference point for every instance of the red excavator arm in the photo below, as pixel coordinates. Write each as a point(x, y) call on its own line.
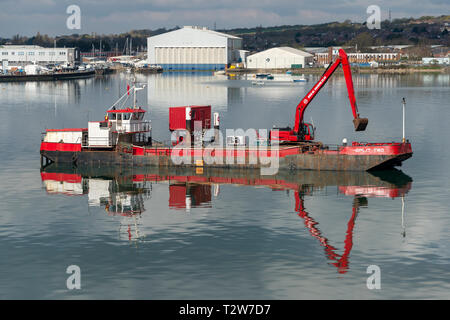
point(301, 131)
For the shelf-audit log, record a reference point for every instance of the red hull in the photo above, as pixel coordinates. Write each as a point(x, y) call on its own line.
point(357, 157)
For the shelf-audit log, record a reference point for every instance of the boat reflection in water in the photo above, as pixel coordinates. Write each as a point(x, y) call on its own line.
point(123, 191)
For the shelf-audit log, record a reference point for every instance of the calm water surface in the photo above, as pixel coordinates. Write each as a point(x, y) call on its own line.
point(192, 235)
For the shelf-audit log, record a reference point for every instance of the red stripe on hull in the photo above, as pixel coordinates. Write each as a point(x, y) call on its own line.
point(62, 177)
point(67, 130)
point(191, 152)
point(355, 149)
point(56, 146)
point(371, 191)
point(276, 184)
point(377, 149)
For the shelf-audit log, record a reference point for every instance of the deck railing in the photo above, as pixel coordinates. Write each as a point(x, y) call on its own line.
point(100, 142)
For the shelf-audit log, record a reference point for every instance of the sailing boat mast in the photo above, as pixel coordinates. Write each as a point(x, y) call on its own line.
point(131, 46)
point(134, 93)
point(125, 47)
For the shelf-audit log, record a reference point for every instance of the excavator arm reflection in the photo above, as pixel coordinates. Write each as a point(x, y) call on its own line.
point(341, 262)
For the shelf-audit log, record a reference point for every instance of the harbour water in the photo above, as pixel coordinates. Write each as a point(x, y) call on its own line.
point(212, 235)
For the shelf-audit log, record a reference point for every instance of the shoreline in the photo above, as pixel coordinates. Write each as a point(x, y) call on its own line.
point(406, 70)
point(48, 77)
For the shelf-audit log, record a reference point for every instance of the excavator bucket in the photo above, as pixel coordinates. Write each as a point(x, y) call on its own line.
point(360, 124)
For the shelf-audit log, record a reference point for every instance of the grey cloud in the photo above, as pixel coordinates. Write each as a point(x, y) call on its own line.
point(49, 16)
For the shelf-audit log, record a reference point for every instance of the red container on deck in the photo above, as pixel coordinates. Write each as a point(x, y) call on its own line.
point(178, 116)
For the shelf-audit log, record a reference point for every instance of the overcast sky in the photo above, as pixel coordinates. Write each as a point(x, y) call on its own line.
point(27, 17)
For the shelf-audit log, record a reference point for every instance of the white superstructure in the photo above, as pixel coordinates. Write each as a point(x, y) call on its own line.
point(194, 48)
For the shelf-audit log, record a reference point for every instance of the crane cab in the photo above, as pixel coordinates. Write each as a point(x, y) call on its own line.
point(287, 135)
point(308, 131)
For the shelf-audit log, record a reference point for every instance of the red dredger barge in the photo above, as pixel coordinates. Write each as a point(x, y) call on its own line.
point(124, 138)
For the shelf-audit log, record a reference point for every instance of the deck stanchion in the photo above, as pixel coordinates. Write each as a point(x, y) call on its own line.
point(404, 110)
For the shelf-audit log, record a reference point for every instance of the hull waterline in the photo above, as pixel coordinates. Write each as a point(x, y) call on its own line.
point(355, 158)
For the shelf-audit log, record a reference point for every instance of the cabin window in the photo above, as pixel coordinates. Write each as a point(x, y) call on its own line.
point(113, 116)
point(126, 116)
point(137, 116)
point(119, 116)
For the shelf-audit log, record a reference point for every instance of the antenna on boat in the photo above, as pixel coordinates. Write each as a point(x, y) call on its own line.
point(134, 93)
point(115, 103)
point(126, 95)
point(135, 89)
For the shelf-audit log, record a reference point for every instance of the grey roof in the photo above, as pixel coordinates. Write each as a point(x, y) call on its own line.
point(295, 51)
point(198, 29)
point(204, 29)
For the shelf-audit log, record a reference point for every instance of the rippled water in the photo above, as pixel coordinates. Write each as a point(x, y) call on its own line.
point(204, 235)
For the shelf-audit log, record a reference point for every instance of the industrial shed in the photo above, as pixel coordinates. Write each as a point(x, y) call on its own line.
point(194, 48)
point(21, 55)
point(279, 58)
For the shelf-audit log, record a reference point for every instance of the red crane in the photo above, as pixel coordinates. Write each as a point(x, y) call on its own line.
point(305, 131)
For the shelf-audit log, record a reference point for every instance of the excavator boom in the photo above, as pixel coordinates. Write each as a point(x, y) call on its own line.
point(359, 123)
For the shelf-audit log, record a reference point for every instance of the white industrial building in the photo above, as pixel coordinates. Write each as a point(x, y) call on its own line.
point(279, 58)
point(194, 48)
point(21, 55)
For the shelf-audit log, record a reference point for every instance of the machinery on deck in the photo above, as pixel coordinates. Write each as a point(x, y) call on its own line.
point(124, 138)
point(305, 131)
